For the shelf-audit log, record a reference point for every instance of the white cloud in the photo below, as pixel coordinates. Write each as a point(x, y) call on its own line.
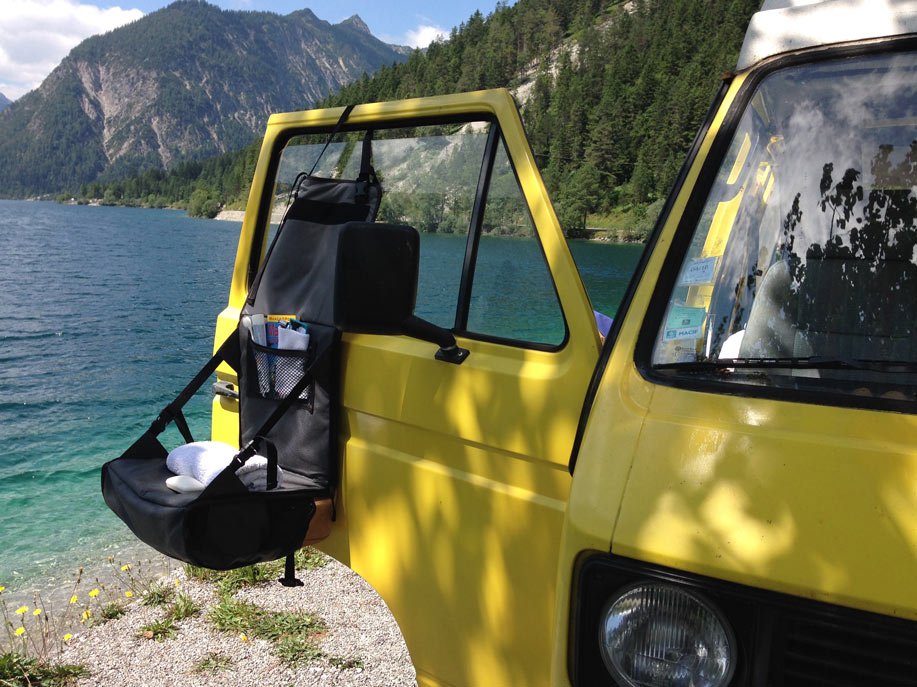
point(423, 35)
point(35, 35)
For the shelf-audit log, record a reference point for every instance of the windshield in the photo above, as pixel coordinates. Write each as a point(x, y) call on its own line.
point(803, 259)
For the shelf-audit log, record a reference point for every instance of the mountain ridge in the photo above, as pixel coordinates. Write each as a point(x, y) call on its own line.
point(4, 101)
point(185, 82)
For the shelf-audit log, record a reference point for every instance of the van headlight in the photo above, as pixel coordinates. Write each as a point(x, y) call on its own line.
point(659, 635)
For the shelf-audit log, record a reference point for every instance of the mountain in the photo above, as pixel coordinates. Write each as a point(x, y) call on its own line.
point(4, 101)
point(185, 82)
point(611, 91)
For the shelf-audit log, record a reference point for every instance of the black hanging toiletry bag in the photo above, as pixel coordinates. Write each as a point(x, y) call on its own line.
point(331, 267)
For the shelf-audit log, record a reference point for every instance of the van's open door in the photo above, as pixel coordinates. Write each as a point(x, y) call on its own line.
point(454, 476)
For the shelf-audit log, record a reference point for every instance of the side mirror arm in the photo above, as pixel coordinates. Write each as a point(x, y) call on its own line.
point(449, 350)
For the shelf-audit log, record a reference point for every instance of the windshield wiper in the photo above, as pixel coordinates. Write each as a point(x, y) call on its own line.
point(811, 363)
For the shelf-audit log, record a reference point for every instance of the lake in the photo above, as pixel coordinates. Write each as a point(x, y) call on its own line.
point(105, 314)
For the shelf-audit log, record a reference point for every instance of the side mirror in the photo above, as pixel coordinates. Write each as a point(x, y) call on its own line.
point(376, 286)
point(375, 277)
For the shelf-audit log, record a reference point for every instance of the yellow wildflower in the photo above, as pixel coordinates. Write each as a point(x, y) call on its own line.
point(20, 631)
point(243, 637)
point(128, 593)
point(73, 599)
point(37, 611)
point(2, 588)
point(21, 610)
point(126, 566)
point(87, 614)
point(68, 637)
point(94, 593)
point(176, 583)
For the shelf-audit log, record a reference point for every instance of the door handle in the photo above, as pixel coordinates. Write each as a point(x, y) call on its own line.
point(228, 389)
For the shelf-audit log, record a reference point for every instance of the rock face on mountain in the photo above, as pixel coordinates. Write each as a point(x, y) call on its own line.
point(4, 101)
point(184, 82)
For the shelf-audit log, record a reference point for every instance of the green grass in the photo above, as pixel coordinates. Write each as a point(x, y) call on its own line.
point(212, 664)
point(230, 615)
point(112, 611)
point(165, 628)
point(17, 670)
point(297, 650)
point(157, 595)
point(183, 607)
point(294, 635)
point(228, 582)
point(158, 630)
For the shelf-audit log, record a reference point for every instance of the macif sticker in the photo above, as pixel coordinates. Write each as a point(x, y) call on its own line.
point(681, 333)
point(699, 271)
point(682, 316)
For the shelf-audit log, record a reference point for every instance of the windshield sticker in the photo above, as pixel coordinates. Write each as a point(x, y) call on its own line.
point(699, 271)
point(682, 316)
point(681, 333)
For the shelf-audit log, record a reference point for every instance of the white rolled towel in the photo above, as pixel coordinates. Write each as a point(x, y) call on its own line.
point(204, 460)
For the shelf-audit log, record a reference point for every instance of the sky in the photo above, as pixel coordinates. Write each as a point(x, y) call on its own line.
point(35, 35)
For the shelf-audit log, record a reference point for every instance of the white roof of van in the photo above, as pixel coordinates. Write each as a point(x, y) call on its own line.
point(784, 25)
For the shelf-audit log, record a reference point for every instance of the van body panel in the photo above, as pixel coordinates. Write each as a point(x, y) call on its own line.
point(798, 498)
point(615, 420)
point(801, 499)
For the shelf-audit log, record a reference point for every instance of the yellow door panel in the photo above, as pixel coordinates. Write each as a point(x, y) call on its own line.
point(461, 544)
point(454, 490)
point(224, 415)
point(796, 498)
point(454, 478)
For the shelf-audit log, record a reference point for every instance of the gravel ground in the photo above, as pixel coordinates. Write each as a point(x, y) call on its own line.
point(361, 631)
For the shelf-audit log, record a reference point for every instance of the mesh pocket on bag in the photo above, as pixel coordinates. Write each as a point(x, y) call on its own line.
point(279, 370)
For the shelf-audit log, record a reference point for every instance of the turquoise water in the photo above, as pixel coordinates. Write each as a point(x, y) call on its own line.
point(105, 313)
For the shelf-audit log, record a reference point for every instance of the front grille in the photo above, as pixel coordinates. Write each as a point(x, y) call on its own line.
point(853, 651)
point(784, 641)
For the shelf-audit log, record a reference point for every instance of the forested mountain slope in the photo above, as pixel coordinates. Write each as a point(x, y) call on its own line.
point(4, 101)
point(612, 108)
point(611, 94)
point(185, 82)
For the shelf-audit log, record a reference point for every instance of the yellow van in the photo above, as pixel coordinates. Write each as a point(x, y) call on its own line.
point(725, 492)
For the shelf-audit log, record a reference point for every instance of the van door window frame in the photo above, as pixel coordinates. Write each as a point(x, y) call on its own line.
point(463, 300)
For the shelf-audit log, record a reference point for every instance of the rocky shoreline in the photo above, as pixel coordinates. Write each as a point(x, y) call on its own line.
point(361, 644)
point(231, 215)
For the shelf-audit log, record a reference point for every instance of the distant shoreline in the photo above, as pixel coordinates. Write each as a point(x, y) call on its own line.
point(617, 237)
point(231, 215)
point(239, 215)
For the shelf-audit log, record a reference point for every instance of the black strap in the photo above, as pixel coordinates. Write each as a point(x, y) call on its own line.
point(291, 397)
point(367, 173)
point(271, 451)
point(183, 428)
point(230, 347)
point(251, 448)
point(334, 132)
point(227, 352)
point(294, 189)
